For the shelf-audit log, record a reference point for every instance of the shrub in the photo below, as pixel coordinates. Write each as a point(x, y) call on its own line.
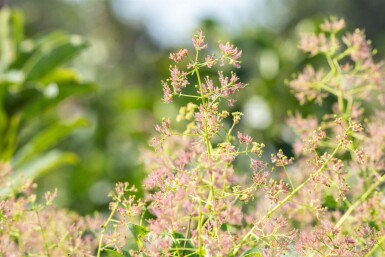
point(327, 202)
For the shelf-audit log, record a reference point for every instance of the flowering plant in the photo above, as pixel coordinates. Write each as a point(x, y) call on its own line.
point(327, 203)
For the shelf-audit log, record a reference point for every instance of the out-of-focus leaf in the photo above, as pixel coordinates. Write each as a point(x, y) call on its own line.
point(15, 102)
point(113, 253)
point(138, 232)
point(45, 140)
point(62, 91)
point(60, 75)
point(7, 51)
point(38, 166)
point(17, 26)
point(11, 34)
point(330, 203)
point(32, 101)
point(252, 253)
point(3, 90)
point(53, 51)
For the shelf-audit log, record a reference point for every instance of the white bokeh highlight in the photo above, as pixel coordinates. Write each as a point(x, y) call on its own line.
point(170, 22)
point(257, 113)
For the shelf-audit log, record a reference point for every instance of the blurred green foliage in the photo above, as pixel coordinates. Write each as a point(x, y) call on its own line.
point(128, 66)
point(33, 83)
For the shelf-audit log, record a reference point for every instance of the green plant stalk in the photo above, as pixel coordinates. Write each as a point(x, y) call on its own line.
point(200, 229)
point(288, 177)
point(287, 198)
point(42, 232)
point(378, 244)
point(105, 227)
point(207, 140)
point(359, 201)
point(208, 146)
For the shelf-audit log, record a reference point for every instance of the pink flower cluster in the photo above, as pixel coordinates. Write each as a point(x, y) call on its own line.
point(318, 205)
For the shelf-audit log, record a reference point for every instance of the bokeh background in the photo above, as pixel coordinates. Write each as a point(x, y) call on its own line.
point(130, 41)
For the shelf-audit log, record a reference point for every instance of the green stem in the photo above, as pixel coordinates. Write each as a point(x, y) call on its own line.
point(200, 230)
point(104, 227)
point(378, 244)
point(359, 201)
point(336, 70)
point(207, 139)
point(42, 232)
point(288, 177)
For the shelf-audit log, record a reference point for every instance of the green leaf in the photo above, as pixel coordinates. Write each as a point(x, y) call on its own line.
point(113, 253)
point(16, 102)
point(330, 203)
point(38, 166)
point(7, 51)
point(138, 232)
point(45, 140)
point(3, 115)
point(179, 241)
point(11, 34)
point(52, 51)
point(254, 252)
point(17, 26)
point(31, 101)
point(60, 75)
point(63, 90)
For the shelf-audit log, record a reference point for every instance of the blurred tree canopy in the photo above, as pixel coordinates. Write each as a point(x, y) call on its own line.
point(127, 65)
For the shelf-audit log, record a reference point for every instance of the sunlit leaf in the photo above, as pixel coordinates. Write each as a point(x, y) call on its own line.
point(113, 253)
point(138, 232)
point(53, 51)
point(45, 140)
point(252, 253)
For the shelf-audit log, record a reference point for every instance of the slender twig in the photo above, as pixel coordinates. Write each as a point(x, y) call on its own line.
point(104, 227)
point(359, 201)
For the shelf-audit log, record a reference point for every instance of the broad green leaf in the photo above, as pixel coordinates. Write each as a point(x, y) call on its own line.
point(16, 102)
point(45, 140)
point(3, 115)
point(62, 91)
point(33, 101)
point(17, 26)
point(138, 232)
point(53, 51)
point(38, 166)
point(9, 138)
point(252, 253)
point(60, 75)
point(11, 34)
point(113, 253)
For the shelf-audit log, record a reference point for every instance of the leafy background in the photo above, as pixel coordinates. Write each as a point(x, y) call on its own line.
point(99, 130)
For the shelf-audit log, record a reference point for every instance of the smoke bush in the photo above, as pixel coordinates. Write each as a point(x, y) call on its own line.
point(328, 201)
